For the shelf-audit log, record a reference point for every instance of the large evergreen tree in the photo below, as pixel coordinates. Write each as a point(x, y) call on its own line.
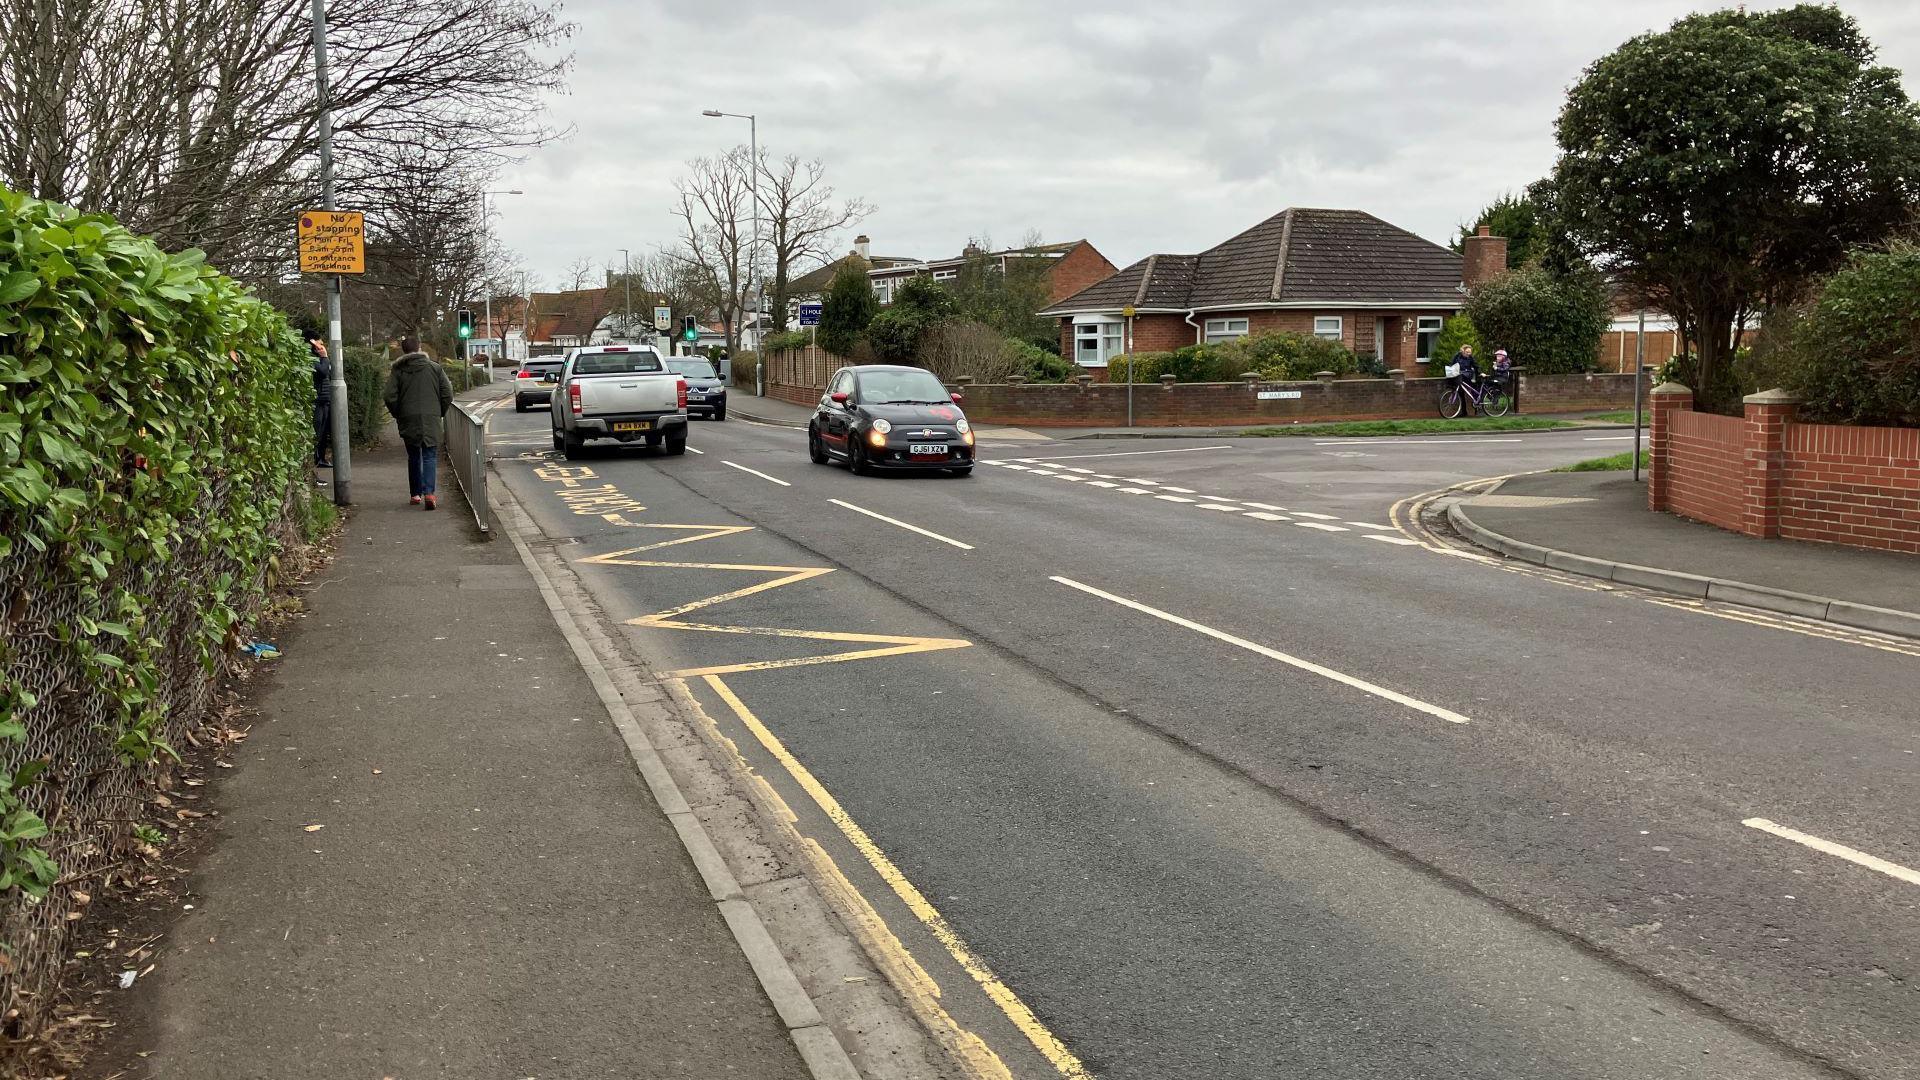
point(849, 306)
point(1715, 168)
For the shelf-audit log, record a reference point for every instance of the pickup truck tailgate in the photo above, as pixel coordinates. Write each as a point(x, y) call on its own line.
point(649, 393)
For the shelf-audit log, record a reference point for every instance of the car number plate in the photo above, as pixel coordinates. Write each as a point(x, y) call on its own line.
point(632, 425)
point(922, 448)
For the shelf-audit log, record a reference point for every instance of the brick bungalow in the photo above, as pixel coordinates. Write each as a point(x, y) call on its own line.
point(1343, 275)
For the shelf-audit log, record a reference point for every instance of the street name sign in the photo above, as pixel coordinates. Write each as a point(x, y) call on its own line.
point(333, 242)
point(1276, 395)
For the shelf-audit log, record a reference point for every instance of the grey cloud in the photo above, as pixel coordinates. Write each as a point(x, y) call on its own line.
point(1142, 126)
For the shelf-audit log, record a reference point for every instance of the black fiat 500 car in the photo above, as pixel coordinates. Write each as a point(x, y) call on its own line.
point(881, 417)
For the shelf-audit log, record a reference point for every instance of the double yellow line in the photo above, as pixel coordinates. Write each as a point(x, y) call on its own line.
point(920, 990)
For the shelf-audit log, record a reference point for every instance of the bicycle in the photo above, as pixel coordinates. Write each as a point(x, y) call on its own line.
point(1488, 395)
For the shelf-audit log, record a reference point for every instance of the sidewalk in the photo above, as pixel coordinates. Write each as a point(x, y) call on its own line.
point(492, 891)
point(1598, 524)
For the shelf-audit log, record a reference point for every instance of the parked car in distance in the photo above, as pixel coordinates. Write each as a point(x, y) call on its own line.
point(623, 392)
point(877, 416)
point(706, 394)
point(533, 383)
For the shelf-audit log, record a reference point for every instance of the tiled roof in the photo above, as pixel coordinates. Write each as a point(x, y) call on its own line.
point(1298, 256)
point(570, 314)
point(817, 279)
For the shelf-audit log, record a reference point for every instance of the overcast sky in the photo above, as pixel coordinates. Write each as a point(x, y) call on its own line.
point(1142, 127)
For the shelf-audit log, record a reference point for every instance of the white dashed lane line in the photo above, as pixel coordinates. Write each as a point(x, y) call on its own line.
point(1164, 492)
point(1842, 851)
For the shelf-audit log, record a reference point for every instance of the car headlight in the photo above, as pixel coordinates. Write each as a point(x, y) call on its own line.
point(963, 425)
point(882, 426)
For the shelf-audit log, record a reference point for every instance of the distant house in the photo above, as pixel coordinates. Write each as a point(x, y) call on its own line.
point(1071, 266)
point(1343, 275)
point(811, 286)
point(574, 317)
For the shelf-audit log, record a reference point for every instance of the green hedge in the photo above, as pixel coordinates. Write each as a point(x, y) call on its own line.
point(1854, 355)
point(1277, 356)
point(155, 429)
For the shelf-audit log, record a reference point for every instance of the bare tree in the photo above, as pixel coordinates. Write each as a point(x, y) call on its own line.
point(802, 215)
point(197, 122)
point(716, 213)
point(580, 274)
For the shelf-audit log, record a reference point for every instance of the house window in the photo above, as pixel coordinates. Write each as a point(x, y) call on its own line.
point(1327, 326)
point(1225, 329)
point(1096, 342)
point(945, 275)
point(1428, 333)
point(883, 291)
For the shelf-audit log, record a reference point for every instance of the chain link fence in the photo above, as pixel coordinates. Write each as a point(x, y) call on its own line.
point(89, 795)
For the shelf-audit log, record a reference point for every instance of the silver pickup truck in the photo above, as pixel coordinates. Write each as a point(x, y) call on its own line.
point(623, 392)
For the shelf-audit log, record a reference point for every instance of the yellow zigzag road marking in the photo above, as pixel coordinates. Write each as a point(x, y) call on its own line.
point(922, 991)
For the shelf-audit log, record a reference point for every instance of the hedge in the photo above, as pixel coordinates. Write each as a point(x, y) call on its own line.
point(155, 429)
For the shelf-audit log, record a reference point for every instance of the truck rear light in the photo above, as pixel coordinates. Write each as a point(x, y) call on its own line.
point(573, 397)
point(682, 389)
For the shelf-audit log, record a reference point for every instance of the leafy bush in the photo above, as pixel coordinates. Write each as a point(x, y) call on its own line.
point(1456, 332)
point(787, 339)
point(155, 430)
point(848, 308)
point(1550, 323)
point(1854, 356)
point(366, 373)
point(1041, 365)
point(1146, 367)
point(1283, 357)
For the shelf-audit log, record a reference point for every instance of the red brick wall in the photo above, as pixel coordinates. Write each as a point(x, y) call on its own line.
point(1161, 333)
point(1707, 474)
point(1200, 404)
point(1852, 485)
point(1076, 270)
point(1764, 475)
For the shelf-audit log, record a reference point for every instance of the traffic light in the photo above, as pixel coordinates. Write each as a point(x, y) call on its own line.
point(465, 316)
point(689, 329)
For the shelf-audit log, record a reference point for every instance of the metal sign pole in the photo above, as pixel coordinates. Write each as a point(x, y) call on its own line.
point(336, 353)
point(1639, 376)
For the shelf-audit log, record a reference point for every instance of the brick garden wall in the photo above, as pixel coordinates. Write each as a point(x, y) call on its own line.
point(1764, 475)
point(800, 376)
point(1852, 485)
point(1203, 404)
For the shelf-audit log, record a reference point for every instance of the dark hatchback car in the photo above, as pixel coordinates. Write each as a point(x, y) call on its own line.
point(881, 417)
point(706, 394)
point(533, 383)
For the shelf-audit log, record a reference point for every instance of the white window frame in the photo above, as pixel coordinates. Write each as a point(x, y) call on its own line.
point(1423, 324)
point(945, 275)
point(1218, 330)
point(1330, 327)
point(883, 290)
point(1107, 335)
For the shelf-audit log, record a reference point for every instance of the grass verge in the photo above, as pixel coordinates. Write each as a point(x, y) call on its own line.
point(1361, 428)
point(1624, 416)
point(1620, 462)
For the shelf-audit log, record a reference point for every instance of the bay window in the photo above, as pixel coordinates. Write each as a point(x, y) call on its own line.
point(1097, 339)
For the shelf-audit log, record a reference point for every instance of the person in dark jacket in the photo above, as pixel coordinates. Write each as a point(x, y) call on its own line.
point(322, 402)
point(1469, 367)
point(418, 395)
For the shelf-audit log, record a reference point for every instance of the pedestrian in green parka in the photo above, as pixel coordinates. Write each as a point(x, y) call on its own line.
point(418, 395)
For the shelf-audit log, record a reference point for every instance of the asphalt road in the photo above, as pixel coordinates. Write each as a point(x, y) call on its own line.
point(1235, 780)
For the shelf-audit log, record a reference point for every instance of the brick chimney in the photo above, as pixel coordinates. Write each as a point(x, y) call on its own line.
point(972, 249)
point(1483, 257)
point(860, 245)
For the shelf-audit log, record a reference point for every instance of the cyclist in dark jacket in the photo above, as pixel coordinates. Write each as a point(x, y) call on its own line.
point(1469, 367)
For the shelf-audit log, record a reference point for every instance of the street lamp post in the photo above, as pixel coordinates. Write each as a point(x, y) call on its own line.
point(753, 181)
point(626, 283)
point(486, 230)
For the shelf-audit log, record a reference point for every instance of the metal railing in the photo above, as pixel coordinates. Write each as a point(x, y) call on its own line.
point(466, 445)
